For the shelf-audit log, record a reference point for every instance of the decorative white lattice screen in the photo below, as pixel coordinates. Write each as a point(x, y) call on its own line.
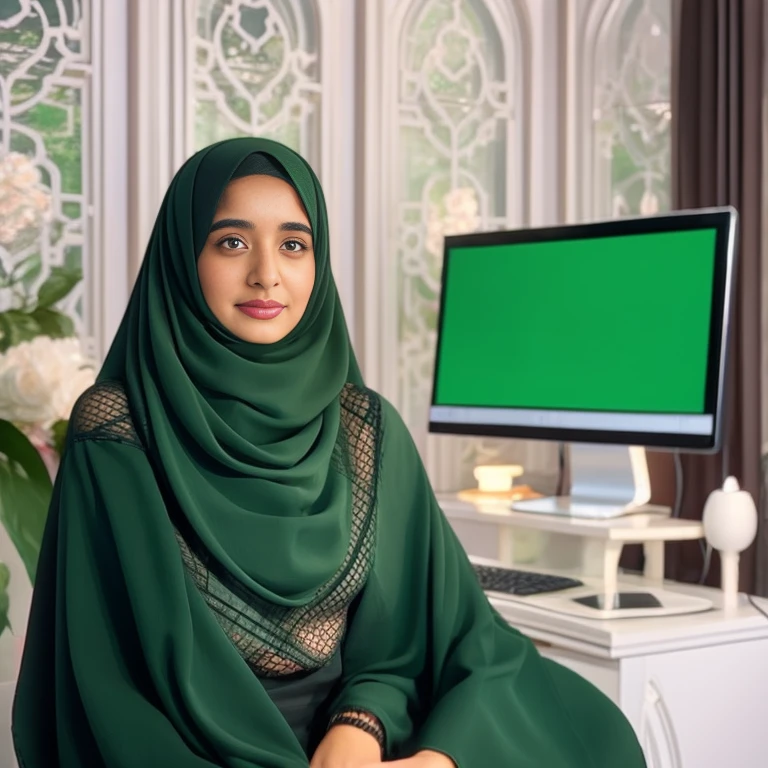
point(257, 72)
point(63, 155)
point(46, 79)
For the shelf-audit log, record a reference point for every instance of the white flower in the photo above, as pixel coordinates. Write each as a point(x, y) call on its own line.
point(64, 397)
point(24, 201)
point(40, 380)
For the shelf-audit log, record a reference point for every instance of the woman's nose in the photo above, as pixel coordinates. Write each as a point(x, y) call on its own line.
point(263, 271)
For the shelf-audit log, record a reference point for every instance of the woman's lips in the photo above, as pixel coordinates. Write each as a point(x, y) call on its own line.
point(262, 310)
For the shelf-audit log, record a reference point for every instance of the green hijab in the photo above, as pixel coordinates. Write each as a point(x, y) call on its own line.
point(241, 434)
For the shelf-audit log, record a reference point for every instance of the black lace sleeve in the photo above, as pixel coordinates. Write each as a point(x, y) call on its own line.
point(103, 413)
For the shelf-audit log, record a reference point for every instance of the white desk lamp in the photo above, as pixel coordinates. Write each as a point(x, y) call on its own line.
point(730, 526)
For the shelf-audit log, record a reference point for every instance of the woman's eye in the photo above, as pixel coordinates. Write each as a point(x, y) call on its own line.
point(294, 246)
point(232, 243)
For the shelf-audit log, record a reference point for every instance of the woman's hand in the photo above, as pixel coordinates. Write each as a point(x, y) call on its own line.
point(345, 746)
point(424, 759)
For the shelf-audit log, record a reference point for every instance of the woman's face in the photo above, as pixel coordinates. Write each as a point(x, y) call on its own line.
point(257, 268)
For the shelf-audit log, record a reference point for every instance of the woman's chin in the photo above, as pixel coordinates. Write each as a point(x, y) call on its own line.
point(259, 331)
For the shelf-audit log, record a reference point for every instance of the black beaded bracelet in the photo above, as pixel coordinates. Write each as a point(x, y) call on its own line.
point(346, 718)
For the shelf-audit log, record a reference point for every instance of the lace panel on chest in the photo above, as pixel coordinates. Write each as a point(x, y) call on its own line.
point(278, 641)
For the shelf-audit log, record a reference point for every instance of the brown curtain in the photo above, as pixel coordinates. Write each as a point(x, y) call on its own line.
point(717, 136)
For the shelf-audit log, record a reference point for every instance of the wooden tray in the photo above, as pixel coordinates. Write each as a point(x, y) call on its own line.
point(516, 493)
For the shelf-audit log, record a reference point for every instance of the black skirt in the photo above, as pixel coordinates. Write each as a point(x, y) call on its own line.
point(302, 700)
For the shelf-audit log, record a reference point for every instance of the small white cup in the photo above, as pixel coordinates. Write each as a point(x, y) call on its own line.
point(496, 478)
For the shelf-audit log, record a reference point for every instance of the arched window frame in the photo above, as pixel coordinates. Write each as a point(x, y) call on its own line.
point(594, 27)
point(533, 33)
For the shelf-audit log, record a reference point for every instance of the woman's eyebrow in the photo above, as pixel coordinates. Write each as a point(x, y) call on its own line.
point(234, 223)
point(286, 226)
point(295, 226)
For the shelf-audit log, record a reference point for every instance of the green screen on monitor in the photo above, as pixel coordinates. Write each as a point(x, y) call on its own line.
point(618, 323)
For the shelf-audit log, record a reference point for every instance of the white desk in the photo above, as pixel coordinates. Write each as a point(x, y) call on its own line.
point(586, 546)
point(693, 686)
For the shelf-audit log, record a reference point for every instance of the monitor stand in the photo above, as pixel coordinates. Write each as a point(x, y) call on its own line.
point(606, 481)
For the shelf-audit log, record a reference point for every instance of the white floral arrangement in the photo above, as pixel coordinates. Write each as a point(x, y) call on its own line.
point(40, 381)
point(43, 369)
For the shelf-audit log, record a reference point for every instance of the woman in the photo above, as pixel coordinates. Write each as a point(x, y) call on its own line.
point(244, 564)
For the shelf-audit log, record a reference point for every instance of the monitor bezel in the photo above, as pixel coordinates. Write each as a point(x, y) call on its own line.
point(724, 220)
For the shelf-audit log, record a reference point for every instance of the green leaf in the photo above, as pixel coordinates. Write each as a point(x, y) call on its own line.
point(22, 269)
point(59, 431)
point(25, 493)
point(53, 323)
point(5, 578)
point(32, 268)
point(57, 285)
point(27, 267)
point(16, 326)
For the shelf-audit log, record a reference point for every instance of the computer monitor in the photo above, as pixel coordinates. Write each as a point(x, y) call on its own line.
point(610, 336)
